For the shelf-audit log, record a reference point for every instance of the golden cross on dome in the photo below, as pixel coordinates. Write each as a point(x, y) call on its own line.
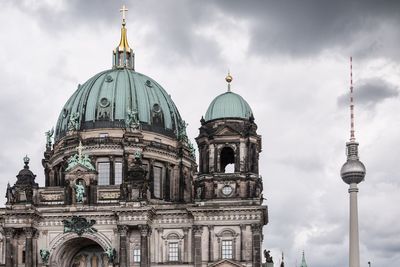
point(123, 10)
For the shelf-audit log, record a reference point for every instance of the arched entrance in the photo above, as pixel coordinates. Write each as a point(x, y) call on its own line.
point(79, 252)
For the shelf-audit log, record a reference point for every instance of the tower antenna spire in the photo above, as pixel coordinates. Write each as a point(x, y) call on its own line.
point(352, 136)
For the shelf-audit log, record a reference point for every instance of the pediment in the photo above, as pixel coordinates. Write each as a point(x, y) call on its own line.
point(226, 263)
point(226, 130)
point(79, 168)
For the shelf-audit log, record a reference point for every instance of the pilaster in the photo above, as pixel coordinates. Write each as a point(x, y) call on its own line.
point(197, 233)
point(9, 234)
point(122, 230)
point(210, 243)
point(256, 237)
point(185, 244)
point(242, 244)
point(29, 232)
point(145, 232)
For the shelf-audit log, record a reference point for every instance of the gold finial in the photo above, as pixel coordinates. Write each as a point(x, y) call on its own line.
point(123, 10)
point(229, 79)
point(123, 44)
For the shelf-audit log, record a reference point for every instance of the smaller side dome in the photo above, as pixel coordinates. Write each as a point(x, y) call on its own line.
point(228, 105)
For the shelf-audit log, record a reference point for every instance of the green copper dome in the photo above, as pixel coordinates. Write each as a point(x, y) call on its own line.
point(109, 97)
point(228, 105)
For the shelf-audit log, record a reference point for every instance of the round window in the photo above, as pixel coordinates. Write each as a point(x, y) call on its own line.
point(104, 102)
point(227, 190)
point(109, 78)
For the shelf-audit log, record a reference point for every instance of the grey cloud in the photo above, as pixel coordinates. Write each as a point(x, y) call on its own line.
point(172, 33)
point(299, 29)
point(306, 28)
point(370, 92)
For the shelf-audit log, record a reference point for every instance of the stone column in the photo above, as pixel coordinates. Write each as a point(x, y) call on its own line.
point(144, 245)
point(212, 159)
point(29, 232)
point(185, 244)
point(9, 234)
point(151, 177)
point(210, 243)
point(257, 233)
point(154, 249)
point(197, 232)
point(123, 230)
point(242, 245)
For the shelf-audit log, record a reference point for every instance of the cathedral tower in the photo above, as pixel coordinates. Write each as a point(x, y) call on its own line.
point(229, 148)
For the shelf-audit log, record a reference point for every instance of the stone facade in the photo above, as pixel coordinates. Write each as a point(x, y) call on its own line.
point(131, 194)
point(194, 221)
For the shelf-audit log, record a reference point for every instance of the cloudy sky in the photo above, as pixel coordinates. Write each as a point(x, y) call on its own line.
point(289, 60)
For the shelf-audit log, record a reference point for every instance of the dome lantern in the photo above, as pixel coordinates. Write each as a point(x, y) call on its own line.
point(123, 56)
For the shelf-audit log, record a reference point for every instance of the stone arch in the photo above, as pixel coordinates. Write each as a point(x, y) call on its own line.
point(227, 232)
point(174, 235)
point(227, 155)
point(65, 246)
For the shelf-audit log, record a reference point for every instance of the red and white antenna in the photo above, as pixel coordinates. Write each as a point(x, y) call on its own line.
point(352, 136)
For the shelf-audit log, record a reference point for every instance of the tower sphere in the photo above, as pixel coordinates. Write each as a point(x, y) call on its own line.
point(353, 171)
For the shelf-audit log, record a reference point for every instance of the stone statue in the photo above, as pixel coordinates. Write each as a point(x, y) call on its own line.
point(29, 194)
point(143, 190)
point(126, 192)
point(80, 158)
point(79, 192)
point(44, 255)
point(111, 254)
point(87, 162)
point(132, 119)
point(72, 162)
point(267, 256)
point(199, 190)
point(73, 123)
point(10, 194)
point(49, 135)
point(192, 149)
point(182, 136)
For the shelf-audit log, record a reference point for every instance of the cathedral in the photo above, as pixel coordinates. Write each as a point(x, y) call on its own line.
point(123, 186)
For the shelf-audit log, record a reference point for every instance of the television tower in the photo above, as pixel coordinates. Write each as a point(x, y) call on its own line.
point(352, 173)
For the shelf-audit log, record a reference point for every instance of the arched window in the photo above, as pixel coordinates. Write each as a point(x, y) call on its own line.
point(227, 156)
point(227, 243)
point(173, 245)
